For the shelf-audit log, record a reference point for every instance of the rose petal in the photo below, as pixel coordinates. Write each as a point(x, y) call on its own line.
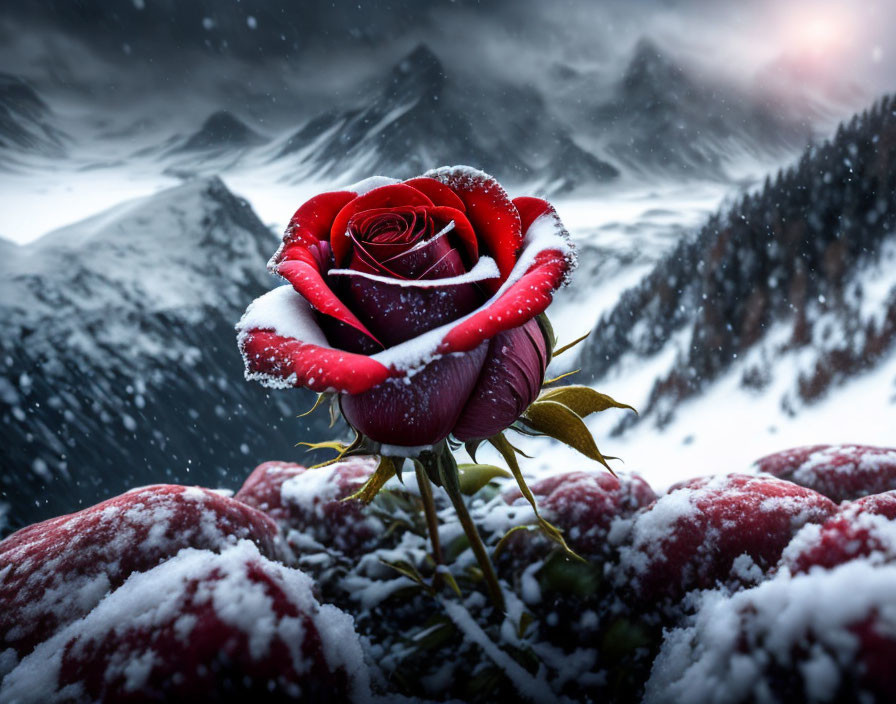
point(511, 378)
point(530, 209)
point(541, 268)
point(306, 279)
point(462, 230)
point(526, 298)
point(449, 266)
point(345, 337)
point(384, 197)
point(283, 346)
point(417, 261)
point(437, 192)
point(418, 411)
point(311, 223)
point(399, 311)
point(489, 210)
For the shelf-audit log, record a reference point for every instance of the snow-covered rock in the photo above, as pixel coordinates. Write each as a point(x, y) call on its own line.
point(310, 504)
point(200, 626)
point(583, 504)
point(840, 472)
point(55, 572)
point(861, 529)
point(729, 529)
point(827, 636)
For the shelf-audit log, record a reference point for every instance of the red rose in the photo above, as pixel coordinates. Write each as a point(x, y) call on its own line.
point(416, 301)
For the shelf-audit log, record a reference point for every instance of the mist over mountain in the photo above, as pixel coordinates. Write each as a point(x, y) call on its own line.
point(802, 268)
point(26, 122)
point(119, 366)
point(424, 114)
point(661, 117)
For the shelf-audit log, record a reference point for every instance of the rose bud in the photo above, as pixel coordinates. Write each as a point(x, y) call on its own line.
point(840, 472)
point(416, 302)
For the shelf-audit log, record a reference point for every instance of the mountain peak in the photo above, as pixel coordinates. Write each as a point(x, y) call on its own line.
point(650, 67)
point(420, 73)
point(222, 129)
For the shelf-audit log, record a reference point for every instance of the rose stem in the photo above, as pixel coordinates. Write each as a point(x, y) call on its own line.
point(451, 482)
point(432, 523)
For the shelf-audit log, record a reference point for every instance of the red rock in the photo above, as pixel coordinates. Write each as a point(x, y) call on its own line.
point(826, 636)
point(583, 504)
point(308, 503)
point(726, 529)
point(865, 528)
point(202, 626)
point(840, 472)
point(262, 489)
point(58, 570)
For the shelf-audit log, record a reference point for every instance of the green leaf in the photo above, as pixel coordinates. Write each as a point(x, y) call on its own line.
point(502, 543)
point(551, 531)
point(560, 574)
point(582, 400)
point(450, 581)
point(563, 424)
point(384, 472)
point(526, 620)
point(623, 638)
point(406, 569)
point(434, 635)
point(570, 345)
point(475, 476)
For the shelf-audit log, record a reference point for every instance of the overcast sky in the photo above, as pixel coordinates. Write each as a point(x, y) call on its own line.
point(294, 54)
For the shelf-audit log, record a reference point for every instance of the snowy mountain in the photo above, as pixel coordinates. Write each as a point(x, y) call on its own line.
point(660, 117)
point(26, 121)
point(222, 131)
point(424, 115)
point(794, 288)
point(119, 366)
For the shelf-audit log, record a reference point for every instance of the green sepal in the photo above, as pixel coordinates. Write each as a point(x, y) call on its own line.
point(340, 447)
point(551, 531)
point(321, 398)
point(570, 345)
point(548, 330)
point(583, 400)
point(471, 447)
point(356, 447)
point(563, 424)
point(384, 472)
point(526, 620)
point(546, 382)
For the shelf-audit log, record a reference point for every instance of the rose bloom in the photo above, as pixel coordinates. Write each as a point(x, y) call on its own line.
point(416, 301)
